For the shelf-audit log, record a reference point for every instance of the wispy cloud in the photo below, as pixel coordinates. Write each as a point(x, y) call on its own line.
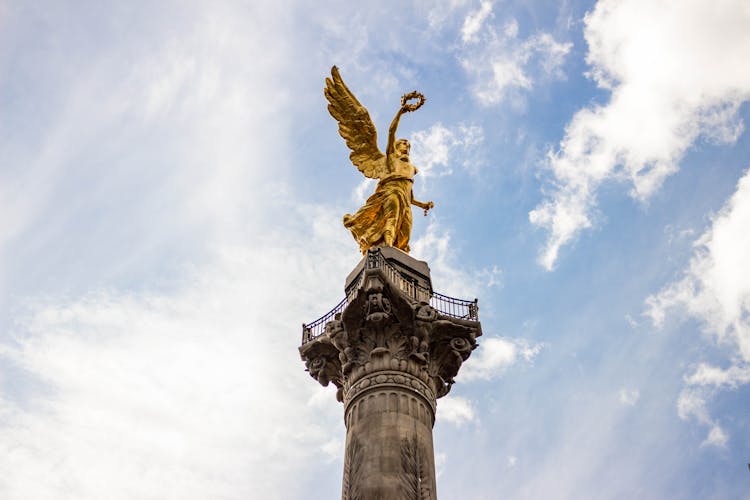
point(456, 410)
point(496, 355)
point(500, 64)
point(194, 384)
point(434, 246)
point(363, 190)
point(674, 77)
point(716, 437)
point(436, 149)
point(629, 397)
point(715, 289)
point(435, 152)
point(473, 22)
point(692, 404)
point(164, 144)
point(181, 392)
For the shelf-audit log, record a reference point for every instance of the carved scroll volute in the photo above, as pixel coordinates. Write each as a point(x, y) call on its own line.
point(347, 353)
point(381, 322)
point(424, 317)
point(322, 357)
point(451, 344)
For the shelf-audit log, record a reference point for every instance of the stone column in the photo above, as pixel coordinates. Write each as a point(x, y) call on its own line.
point(391, 355)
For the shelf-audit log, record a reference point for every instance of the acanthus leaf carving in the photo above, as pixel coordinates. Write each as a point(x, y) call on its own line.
point(414, 478)
point(381, 321)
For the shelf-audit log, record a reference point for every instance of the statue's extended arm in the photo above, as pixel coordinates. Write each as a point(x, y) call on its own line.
point(421, 204)
point(392, 131)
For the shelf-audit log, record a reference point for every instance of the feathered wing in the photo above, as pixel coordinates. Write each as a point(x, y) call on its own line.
point(355, 126)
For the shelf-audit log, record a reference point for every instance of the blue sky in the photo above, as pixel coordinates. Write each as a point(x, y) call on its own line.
point(171, 191)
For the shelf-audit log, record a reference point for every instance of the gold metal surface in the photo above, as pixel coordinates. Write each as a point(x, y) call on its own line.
point(385, 219)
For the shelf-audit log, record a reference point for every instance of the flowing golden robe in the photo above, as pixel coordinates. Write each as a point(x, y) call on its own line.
point(385, 219)
point(388, 210)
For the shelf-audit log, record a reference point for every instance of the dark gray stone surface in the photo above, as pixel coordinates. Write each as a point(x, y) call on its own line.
point(418, 270)
point(390, 355)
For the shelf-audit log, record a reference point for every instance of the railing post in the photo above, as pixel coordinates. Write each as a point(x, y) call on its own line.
point(449, 306)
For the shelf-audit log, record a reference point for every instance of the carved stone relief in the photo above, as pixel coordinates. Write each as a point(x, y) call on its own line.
point(382, 329)
point(415, 479)
point(390, 357)
point(353, 471)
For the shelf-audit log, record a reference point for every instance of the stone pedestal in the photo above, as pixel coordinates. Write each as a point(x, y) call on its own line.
point(392, 347)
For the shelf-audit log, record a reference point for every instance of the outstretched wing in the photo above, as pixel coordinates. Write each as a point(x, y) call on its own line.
point(355, 126)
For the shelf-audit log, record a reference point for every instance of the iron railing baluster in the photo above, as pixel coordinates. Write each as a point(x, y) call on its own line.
point(449, 306)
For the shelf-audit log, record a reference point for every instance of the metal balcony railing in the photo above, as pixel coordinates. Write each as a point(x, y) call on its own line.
point(448, 306)
point(456, 308)
point(317, 327)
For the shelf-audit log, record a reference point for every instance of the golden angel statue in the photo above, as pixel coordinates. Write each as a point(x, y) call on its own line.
point(385, 219)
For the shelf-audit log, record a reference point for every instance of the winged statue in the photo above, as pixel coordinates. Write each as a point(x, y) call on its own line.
point(385, 219)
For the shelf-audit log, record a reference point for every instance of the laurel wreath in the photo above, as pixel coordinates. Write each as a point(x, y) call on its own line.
point(408, 97)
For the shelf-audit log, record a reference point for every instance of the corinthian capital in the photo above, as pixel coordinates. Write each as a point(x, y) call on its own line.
point(387, 325)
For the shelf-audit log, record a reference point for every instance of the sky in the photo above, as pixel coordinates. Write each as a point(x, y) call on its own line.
point(171, 194)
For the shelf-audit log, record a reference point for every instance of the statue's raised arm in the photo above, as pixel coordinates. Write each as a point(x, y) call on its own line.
point(385, 219)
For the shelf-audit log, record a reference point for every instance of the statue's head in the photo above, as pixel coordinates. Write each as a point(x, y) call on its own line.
point(402, 148)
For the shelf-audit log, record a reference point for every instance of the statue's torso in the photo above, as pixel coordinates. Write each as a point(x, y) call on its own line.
point(400, 169)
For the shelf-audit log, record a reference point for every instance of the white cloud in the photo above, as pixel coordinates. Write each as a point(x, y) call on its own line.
point(363, 190)
point(501, 65)
point(455, 410)
point(715, 289)
point(675, 76)
point(195, 394)
point(161, 133)
point(700, 387)
point(692, 404)
point(334, 448)
point(495, 355)
point(435, 247)
point(716, 437)
point(629, 397)
point(434, 149)
point(708, 375)
point(716, 285)
point(512, 461)
point(674, 234)
point(196, 391)
point(550, 52)
point(473, 22)
point(511, 29)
